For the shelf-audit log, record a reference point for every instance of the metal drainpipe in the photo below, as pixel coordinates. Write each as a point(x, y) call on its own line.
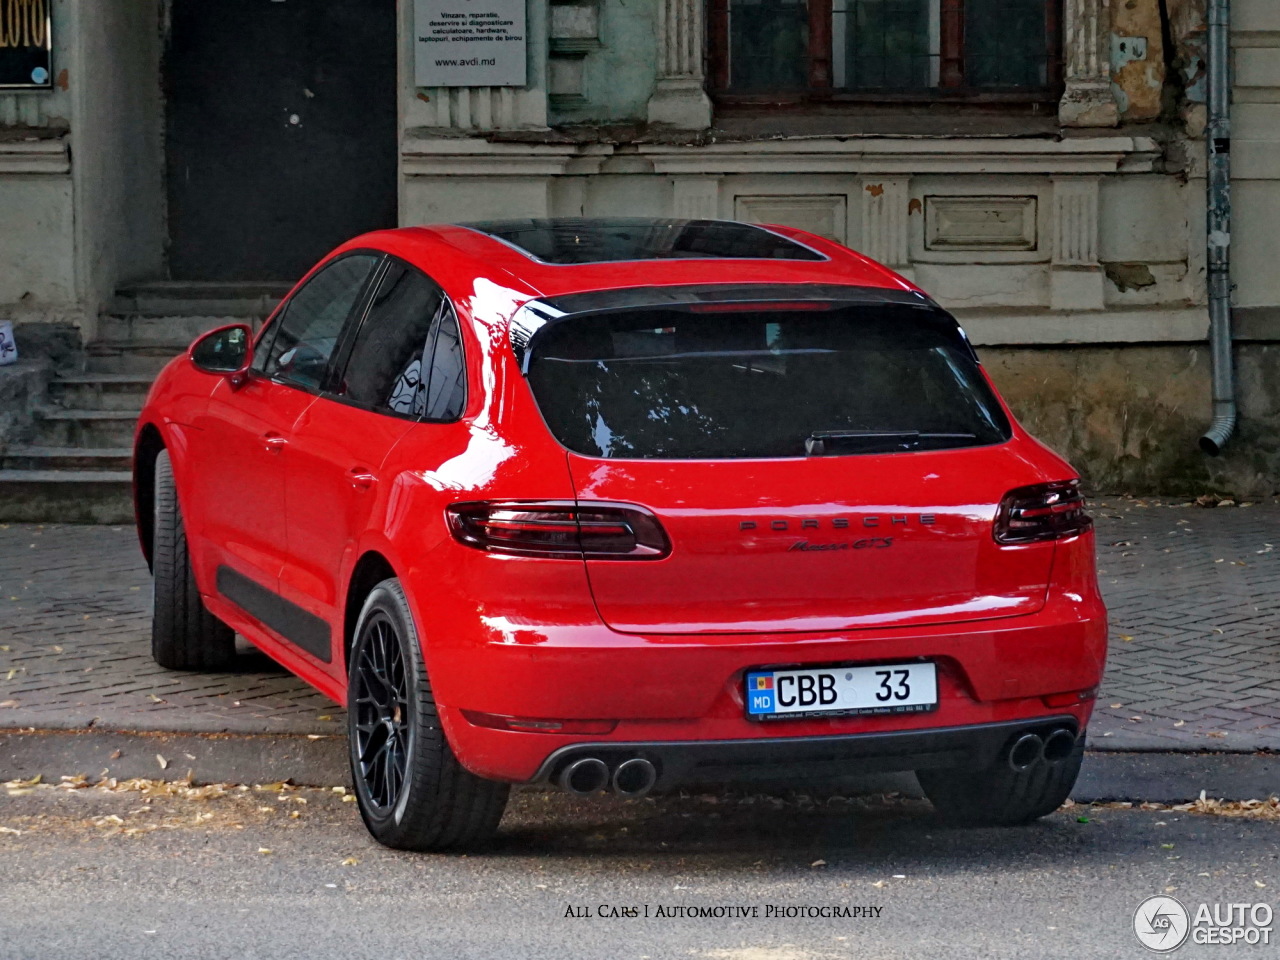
point(1218, 137)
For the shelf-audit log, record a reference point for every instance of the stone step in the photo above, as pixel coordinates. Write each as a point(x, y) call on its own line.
point(99, 391)
point(66, 496)
point(125, 359)
point(173, 298)
point(66, 458)
point(170, 330)
point(94, 429)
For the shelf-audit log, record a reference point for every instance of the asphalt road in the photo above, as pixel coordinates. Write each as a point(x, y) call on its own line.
point(119, 874)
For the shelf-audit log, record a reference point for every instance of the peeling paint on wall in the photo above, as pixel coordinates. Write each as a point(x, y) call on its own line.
point(1137, 58)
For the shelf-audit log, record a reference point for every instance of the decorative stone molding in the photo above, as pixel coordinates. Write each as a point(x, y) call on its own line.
point(1088, 100)
point(872, 156)
point(469, 157)
point(696, 198)
point(886, 221)
point(1077, 281)
point(49, 156)
point(823, 214)
point(679, 99)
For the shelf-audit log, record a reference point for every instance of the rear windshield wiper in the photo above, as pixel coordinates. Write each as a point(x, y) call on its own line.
point(822, 442)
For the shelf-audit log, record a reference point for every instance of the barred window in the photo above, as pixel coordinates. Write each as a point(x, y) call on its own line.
point(814, 49)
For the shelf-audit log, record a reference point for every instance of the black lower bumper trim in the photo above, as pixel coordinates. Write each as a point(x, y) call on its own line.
point(792, 759)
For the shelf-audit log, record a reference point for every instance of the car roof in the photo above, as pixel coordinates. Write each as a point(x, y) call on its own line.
point(561, 256)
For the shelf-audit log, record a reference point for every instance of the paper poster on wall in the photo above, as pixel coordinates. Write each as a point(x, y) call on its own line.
point(469, 43)
point(25, 44)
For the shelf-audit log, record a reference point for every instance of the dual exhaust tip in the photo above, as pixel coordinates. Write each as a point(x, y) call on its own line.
point(631, 778)
point(1031, 748)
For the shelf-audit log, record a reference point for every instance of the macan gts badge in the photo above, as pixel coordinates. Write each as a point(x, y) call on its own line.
point(626, 505)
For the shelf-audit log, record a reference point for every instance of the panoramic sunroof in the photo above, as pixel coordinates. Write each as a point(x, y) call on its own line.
point(566, 241)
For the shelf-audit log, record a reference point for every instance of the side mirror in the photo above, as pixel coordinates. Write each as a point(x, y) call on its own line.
point(227, 351)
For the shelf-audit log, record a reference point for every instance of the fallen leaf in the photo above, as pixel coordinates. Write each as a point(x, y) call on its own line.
point(350, 862)
point(153, 698)
point(1259, 883)
point(818, 863)
point(116, 755)
point(879, 884)
point(164, 764)
point(10, 830)
point(265, 851)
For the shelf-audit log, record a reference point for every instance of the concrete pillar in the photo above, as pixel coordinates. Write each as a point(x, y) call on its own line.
point(679, 99)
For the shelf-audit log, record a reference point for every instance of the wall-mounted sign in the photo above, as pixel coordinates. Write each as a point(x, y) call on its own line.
point(469, 43)
point(25, 44)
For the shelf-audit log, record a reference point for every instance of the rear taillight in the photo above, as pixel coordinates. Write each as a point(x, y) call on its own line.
point(1046, 511)
point(564, 530)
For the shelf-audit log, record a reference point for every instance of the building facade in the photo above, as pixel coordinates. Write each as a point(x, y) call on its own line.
point(1037, 165)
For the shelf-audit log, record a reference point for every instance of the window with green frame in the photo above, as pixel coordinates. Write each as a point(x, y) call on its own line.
point(806, 49)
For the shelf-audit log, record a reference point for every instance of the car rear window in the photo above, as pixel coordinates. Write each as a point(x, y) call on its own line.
point(673, 384)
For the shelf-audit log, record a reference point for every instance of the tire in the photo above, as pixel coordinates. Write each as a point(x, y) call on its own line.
point(412, 791)
point(999, 796)
point(184, 635)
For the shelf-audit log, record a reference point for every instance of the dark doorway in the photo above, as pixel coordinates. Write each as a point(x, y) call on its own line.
point(280, 135)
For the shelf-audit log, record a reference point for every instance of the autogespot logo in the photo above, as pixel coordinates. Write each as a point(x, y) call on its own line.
point(1161, 924)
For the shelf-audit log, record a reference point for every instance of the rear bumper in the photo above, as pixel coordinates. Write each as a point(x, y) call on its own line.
point(796, 759)
point(689, 690)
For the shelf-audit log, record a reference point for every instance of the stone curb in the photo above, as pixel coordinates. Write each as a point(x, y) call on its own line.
point(322, 761)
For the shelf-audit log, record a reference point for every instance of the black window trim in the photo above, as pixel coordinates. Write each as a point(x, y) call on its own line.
point(355, 323)
point(270, 328)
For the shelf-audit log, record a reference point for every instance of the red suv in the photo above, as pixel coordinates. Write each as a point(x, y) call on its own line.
point(626, 504)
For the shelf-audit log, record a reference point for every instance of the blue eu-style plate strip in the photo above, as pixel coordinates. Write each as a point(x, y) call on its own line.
point(759, 693)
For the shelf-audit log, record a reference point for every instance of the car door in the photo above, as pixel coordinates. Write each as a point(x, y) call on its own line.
point(244, 434)
point(339, 444)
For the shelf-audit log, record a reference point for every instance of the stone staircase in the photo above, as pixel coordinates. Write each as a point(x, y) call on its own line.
point(75, 466)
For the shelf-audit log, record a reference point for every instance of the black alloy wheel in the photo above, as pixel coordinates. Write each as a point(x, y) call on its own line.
point(380, 700)
point(412, 791)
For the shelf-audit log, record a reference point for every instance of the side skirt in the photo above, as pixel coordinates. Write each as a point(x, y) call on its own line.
point(286, 618)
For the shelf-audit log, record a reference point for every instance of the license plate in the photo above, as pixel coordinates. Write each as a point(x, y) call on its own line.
point(836, 691)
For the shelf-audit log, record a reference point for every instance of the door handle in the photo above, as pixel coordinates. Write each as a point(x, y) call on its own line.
point(273, 442)
point(361, 478)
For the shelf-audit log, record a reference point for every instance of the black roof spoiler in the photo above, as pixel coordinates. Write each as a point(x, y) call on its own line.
point(536, 315)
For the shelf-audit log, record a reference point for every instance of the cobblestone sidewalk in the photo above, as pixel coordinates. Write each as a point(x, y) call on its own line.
point(1195, 656)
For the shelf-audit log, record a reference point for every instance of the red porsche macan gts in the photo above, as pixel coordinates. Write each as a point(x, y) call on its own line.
point(626, 504)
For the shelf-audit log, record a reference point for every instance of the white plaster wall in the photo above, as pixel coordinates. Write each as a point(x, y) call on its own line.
point(118, 167)
point(37, 275)
point(1256, 152)
point(37, 261)
point(453, 199)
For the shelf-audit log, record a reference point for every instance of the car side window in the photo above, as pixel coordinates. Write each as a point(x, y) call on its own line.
point(447, 381)
point(308, 330)
point(384, 371)
point(407, 356)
